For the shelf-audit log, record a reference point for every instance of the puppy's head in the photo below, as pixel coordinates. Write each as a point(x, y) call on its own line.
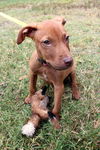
point(52, 42)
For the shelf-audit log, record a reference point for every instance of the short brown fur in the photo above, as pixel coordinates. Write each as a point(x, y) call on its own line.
point(55, 52)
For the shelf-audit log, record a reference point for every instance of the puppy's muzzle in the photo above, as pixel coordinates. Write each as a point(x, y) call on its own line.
point(68, 61)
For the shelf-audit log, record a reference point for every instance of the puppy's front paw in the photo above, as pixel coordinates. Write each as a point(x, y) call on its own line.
point(28, 99)
point(55, 123)
point(28, 129)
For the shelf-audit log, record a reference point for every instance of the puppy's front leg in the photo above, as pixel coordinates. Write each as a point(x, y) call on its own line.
point(58, 92)
point(32, 86)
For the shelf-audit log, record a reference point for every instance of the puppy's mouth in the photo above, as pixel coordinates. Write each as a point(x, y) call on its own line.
point(67, 66)
point(56, 67)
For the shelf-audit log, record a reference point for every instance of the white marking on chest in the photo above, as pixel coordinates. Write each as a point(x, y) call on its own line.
point(45, 76)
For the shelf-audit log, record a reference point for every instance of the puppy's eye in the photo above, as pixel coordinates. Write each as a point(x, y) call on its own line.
point(67, 38)
point(46, 42)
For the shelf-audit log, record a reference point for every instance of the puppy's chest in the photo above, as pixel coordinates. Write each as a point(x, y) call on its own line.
point(51, 75)
point(45, 73)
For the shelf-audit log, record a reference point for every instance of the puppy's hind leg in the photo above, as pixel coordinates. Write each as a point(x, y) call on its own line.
point(74, 86)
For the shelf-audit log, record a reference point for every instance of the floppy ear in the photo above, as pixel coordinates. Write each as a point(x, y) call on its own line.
point(26, 31)
point(61, 20)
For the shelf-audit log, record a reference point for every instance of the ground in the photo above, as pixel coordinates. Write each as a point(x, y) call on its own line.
point(80, 119)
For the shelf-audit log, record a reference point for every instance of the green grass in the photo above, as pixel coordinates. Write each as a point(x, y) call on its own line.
point(80, 119)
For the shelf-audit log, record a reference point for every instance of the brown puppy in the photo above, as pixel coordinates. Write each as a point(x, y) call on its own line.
point(39, 112)
point(52, 59)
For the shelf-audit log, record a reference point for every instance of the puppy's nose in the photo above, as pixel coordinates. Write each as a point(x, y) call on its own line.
point(68, 60)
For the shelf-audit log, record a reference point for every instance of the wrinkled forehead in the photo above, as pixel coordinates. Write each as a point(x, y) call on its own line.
point(50, 29)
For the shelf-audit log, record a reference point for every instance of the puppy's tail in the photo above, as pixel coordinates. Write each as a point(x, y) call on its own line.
point(30, 128)
point(54, 121)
